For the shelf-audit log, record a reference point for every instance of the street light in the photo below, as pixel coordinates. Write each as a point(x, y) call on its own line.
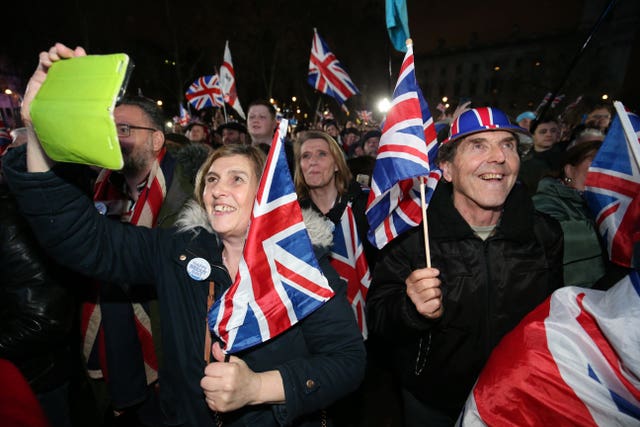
point(384, 105)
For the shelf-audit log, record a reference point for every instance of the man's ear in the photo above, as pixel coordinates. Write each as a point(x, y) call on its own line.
point(158, 140)
point(446, 170)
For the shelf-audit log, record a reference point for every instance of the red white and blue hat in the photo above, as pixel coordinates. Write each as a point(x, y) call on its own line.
point(480, 120)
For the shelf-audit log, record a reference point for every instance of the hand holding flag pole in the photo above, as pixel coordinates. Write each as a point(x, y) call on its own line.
point(425, 225)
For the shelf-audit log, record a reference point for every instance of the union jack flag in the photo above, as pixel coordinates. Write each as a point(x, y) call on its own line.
point(185, 117)
point(279, 281)
point(228, 82)
point(613, 187)
point(326, 74)
point(347, 257)
point(365, 115)
point(544, 102)
point(205, 92)
point(407, 152)
point(557, 100)
point(573, 361)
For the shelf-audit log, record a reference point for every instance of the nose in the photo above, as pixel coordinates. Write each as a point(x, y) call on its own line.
point(218, 190)
point(496, 154)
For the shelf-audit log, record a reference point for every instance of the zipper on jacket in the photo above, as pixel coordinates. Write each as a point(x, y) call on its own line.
point(489, 339)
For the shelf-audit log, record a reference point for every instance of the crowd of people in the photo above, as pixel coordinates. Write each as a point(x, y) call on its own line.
point(105, 319)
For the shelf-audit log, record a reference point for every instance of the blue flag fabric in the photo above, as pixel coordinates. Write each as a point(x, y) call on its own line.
point(612, 188)
point(397, 23)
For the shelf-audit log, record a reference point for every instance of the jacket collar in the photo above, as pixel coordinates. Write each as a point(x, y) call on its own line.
point(446, 223)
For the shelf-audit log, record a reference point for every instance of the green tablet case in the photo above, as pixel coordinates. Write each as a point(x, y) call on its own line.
point(72, 112)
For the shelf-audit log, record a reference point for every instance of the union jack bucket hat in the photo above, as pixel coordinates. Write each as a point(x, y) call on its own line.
point(479, 120)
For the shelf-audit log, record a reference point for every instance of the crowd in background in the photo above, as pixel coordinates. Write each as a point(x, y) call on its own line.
point(46, 317)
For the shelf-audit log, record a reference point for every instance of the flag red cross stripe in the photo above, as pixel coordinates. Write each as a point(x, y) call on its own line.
point(590, 326)
point(406, 150)
point(211, 91)
point(265, 228)
point(620, 185)
point(326, 74)
point(297, 279)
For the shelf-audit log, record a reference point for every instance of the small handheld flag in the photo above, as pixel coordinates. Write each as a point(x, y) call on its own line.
point(326, 74)
point(407, 151)
point(205, 92)
point(613, 187)
point(228, 82)
point(279, 281)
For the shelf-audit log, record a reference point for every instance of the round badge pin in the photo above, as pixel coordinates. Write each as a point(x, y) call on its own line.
point(198, 269)
point(101, 208)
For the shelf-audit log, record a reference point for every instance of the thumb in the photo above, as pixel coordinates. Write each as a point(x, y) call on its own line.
point(218, 354)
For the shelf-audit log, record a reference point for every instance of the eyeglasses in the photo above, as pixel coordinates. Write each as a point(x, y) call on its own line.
point(124, 129)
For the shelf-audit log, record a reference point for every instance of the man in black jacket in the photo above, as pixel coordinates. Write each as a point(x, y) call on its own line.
point(496, 259)
point(36, 313)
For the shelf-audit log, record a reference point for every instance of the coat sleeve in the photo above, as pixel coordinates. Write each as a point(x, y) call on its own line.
point(70, 229)
point(36, 311)
point(390, 312)
point(336, 361)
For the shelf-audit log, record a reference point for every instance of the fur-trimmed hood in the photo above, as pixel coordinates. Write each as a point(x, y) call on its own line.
point(193, 217)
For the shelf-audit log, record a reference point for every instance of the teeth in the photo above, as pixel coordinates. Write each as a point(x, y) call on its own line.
point(491, 176)
point(223, 208)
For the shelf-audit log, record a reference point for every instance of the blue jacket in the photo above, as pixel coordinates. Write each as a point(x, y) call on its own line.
point(320, 359)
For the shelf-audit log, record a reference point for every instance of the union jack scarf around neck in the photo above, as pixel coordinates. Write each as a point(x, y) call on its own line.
point(112, 201)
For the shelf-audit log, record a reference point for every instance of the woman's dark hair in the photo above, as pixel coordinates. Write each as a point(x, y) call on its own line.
point(574, 156)
point(537, 122)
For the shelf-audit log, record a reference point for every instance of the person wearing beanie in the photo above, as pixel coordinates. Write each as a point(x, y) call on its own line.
point(233, 133)
point(494, 257)
point(524, 119)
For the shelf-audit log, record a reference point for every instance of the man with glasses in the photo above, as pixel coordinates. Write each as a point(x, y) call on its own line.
point(117, 326)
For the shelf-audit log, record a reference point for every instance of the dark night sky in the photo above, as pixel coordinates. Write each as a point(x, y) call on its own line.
point(270, 39)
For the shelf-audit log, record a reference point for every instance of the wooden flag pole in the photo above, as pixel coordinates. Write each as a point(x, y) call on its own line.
point(628, 130)
point(425, 226)
point(315, 119)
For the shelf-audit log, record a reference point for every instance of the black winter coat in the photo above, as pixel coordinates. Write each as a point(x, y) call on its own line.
point(320, 359)
point(488, 287)
point(36, 303)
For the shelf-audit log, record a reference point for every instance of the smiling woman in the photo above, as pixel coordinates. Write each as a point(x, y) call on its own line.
point(288, 380)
